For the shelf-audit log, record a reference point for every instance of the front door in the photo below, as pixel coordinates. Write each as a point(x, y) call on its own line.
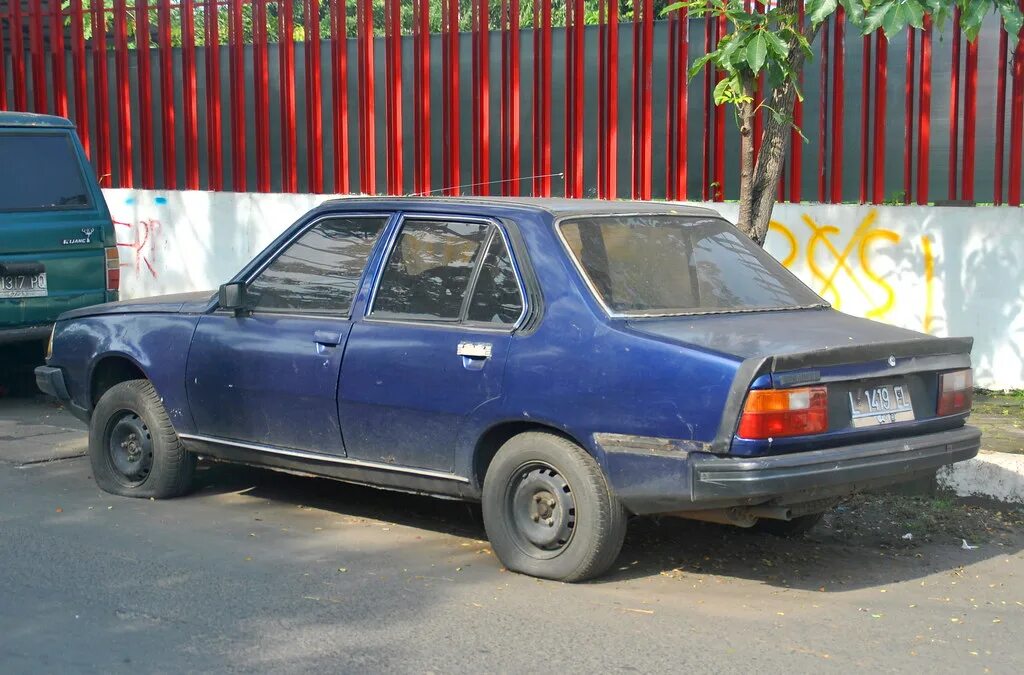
point(270, 376)
point(433, 345)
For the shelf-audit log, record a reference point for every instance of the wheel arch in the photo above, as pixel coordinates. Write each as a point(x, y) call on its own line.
point(109, 370)
point(491, 440)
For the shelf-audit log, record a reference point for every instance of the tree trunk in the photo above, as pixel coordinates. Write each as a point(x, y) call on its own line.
point(756, 208)
point(746, 122)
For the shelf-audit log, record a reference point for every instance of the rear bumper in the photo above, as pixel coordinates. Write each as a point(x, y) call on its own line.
point(660, 483)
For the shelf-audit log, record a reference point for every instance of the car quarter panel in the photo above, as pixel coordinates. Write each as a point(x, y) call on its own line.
point(157, 344)
point(584, 374)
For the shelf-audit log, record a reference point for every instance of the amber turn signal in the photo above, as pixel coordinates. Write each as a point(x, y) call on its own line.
point(770, 413)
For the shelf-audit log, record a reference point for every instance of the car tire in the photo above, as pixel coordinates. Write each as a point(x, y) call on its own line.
point(549, 511)
point(133, 449)
point(788, 528)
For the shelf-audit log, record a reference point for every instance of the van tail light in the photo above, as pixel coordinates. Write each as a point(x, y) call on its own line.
point(113, 269)
point(770, 413)
point(956, 392)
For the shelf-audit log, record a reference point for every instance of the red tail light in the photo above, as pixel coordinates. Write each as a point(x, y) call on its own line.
point(956, 392)
point(113, 269)
point(770, 413)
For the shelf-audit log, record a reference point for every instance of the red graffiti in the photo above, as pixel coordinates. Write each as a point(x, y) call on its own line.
point(144, 250)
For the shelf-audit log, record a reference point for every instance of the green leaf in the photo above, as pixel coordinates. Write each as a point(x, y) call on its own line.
point(722, 93)
point(819, 10)
point(1013, 20)
point(915, 13)
point(876, 15)
point(699, 64)
point(854, 11)
point(776, 46)
point(895, 20)
point(757, 52)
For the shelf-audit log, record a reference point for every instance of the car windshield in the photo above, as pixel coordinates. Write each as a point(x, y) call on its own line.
point(655, 265)
point(40, 172)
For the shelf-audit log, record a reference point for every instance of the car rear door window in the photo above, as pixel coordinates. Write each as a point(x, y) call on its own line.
point(496, 297)
point(429, 271)
point(320, 271)
point(40, 172)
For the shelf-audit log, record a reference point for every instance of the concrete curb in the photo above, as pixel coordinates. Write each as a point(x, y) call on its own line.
point(992, 475)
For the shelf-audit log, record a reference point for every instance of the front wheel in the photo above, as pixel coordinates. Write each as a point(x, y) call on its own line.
point(548, 509)
point(133, 449)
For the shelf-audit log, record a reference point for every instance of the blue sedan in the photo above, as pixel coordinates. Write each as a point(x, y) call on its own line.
point(565, 363)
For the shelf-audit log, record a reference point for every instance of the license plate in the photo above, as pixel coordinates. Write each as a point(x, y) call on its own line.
point(23, 285)
point(882, 404)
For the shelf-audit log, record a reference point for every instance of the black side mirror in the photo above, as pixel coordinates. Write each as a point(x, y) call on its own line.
point(233, 296)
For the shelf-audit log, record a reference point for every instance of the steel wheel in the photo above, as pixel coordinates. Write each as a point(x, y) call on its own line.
point(542, 510)
point(129, 448)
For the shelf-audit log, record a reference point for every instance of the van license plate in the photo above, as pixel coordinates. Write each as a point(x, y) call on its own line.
point(884, 404)
point(23, 285)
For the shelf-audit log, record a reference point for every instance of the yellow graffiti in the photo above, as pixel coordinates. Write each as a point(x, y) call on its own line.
point(823, 244)
point(929, 274)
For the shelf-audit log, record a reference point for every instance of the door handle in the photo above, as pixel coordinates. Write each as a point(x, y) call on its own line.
point(327, 337)
point(474, 350)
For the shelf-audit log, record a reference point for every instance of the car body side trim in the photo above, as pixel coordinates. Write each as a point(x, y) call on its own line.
point(318, 457)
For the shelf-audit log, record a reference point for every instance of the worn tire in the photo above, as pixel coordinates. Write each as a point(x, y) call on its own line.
point(598, 518)
point(170, 466)
point(788, 528)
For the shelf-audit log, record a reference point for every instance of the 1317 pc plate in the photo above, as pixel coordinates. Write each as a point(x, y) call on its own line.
point(881, 404)
point(23, 285)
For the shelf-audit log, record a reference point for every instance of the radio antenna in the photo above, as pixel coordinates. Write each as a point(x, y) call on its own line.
point(490, 182)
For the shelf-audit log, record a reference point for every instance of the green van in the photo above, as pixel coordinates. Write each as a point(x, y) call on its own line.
point(57, 242)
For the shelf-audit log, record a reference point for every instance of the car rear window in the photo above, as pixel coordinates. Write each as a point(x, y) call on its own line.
point(656, 265)
point(40, 172)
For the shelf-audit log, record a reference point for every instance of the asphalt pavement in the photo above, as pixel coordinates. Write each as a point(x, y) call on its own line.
point(263, 571)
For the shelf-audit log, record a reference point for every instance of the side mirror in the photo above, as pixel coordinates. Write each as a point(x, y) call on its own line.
point(233, 296)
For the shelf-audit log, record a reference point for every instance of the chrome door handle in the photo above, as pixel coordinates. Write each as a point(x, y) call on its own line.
point(474, 350)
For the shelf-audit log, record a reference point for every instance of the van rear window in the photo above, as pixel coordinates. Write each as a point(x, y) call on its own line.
point(40, 172)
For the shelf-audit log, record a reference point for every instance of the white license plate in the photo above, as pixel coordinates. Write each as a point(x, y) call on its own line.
point(23, 285)
point(882, 404)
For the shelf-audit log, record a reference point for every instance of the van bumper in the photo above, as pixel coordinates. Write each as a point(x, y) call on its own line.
point(661, 483)
point(25, 333)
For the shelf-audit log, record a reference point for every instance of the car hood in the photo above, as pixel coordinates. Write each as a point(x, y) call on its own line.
point(178, 303)
point(825, 333)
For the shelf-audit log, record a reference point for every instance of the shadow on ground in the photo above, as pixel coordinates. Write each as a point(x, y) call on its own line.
point(862, 543)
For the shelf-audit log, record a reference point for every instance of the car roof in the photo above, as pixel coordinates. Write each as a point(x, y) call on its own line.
point(556, 206)
point(25, 119)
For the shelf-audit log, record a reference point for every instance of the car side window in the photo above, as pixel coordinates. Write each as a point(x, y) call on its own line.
point(429, 270)
point(496, 297)
point(320, 271)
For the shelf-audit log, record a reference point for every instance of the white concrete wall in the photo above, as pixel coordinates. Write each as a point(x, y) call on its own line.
point(940, 270)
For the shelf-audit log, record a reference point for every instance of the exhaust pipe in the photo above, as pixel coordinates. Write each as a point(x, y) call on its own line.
point(737, 515)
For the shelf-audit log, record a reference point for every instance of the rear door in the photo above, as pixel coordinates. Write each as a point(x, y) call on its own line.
point(270, 377)
point(433, 346)
point(54, 227)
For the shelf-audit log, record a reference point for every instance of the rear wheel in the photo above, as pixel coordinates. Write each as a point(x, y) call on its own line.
point(549, 511)
point(133, 449)
point(788, 528)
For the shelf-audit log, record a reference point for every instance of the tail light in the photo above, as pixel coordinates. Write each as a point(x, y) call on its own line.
point(770, 413)
point(113, 269)
point(956, 392)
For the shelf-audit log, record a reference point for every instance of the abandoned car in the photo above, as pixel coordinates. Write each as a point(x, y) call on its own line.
point(565, 363)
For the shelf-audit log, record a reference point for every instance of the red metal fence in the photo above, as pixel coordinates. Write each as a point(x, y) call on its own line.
point(165, 98)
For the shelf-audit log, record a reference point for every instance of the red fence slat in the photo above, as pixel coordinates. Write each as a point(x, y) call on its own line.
point(452, 131)
point(167, 87)
point(970, 121)
point(823, 101)
point(997, 177)
point(123, 96)
point(574, 99)
point(796, 147)
point(542, 99)
point(421, 94)
point(481, 98)
point(924, 112)
point(954, 106)
point(214, 140)
point(78, 66)
point(339, 93)
point(189, 93)
point(719, 192)
point(367, 142)
point(510, 150)
point(865, 116)
point(38, 56)
point(286, 66)
point(100, 90)
point(18, 57)
point(908, 117)
point(145, 89)
point(236, 76)
point(261, 94)
point(314, 93)
point(878, 134)
point(838, 65)
point(58, 68)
